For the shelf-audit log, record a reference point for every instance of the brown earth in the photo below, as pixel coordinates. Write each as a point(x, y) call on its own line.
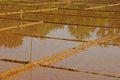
point(94, 1)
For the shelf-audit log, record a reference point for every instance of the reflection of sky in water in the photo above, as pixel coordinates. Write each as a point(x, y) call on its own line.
point(19, 53)
point(55, 74)
point(96, 59)
point(7, 65)
point(101, 59)
point(61, 33)
point(40, 49)
point(65, 33)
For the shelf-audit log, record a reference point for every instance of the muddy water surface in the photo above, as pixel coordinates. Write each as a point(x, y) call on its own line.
point(29, 37)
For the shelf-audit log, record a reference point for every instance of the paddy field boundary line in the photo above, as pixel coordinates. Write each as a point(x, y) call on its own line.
point(61, 68)
point(23, 25)
point(54, 38)
point(21, 12)
point(13, 73)
point(48, 22)
point(104, 6)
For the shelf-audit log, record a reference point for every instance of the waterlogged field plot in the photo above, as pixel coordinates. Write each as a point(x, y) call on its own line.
point(59, 40)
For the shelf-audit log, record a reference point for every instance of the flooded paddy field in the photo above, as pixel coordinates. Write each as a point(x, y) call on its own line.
point(73, 40)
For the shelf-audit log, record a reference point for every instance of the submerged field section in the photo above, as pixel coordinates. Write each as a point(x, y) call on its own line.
point(70, 40)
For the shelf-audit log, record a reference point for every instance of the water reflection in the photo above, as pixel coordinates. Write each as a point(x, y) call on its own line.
point(59, 68)
point(47, 30)
point(55, 24)
point(40, 29)
point(105, 31)
point(10, 40)
point(81, 32)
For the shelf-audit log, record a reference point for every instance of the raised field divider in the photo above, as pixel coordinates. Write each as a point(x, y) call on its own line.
point(19, 12)
point(23, 25)
point(15, 72)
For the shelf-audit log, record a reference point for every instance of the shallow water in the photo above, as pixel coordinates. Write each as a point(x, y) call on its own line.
point(25, 40)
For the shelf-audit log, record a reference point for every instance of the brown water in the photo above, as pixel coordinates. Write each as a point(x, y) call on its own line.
point(25, 39)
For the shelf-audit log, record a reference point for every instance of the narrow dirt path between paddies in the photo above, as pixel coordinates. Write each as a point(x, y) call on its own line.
point(48, 22)
point(98, 7)
point(46, 3)
point(95, 10)
point(77, 24)
point(34, 4)
point(15, 72)
point(93, 16)
point(55, 38)
point(21, 12)
point(61, 68)
point(24, 25)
